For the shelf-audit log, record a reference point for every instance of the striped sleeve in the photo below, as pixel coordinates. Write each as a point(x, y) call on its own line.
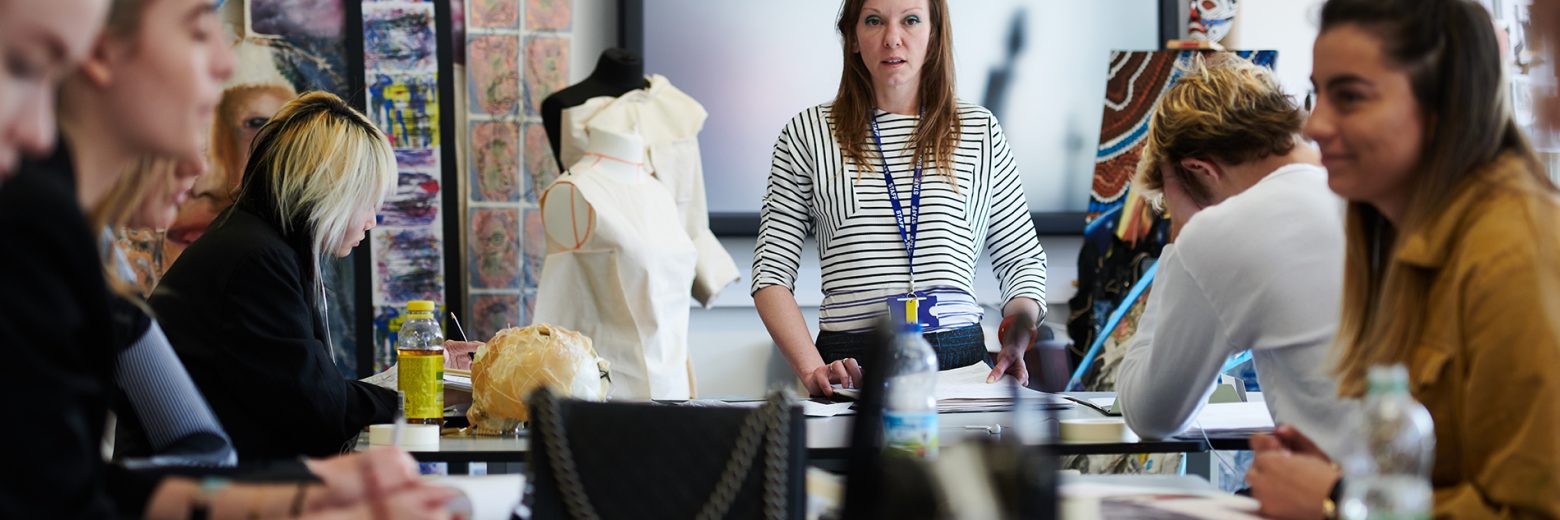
point(180, 425)
point(785, 219)
point(1016, 254)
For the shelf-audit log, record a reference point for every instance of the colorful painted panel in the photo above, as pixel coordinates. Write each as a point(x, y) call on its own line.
point(399, 37)
point(415, 201)
point(409, 265)
point(402, 84)
point(494, 74)
point(535, 245)
point(491, 313)
point(495, 169)
point(517, 54)
point(494, 254)
point(540, 168)
point(546, 69)
point(494, 14)
point(548, 15)
point(406, 108)
point(306, 37)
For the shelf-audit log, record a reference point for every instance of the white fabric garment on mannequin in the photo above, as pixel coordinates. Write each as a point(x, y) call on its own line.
point(618, 268)
point(669, 121)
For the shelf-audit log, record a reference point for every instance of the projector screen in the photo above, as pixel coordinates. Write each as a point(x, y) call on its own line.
point(754, 65)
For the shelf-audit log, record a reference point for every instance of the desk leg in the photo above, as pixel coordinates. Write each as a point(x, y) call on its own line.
point(1200, 464)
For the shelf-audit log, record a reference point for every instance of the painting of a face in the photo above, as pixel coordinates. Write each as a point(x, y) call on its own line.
point(240, 114)
point(1210, 20)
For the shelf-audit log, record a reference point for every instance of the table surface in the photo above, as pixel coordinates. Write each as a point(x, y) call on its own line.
point(828, 438)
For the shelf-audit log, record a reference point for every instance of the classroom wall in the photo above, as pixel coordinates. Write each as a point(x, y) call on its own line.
point(1287, 26)
point(595, 30)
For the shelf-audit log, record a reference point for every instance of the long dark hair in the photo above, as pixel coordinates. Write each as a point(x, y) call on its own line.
point(1449, 50)
point(938, 132)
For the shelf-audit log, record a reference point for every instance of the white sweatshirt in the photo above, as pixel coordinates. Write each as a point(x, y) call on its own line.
point(1263, 271)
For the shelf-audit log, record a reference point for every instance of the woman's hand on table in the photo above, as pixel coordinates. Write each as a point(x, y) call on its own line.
point(354, 477)
point(820, 380)
point(1287, 483)
point(457, 354)
point(1017, 333)
point(416, 501)
point(1290, 438)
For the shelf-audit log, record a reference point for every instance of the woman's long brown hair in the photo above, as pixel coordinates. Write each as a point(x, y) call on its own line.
point(938, 132)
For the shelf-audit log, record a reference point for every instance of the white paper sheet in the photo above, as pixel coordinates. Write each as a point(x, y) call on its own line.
point(493, 497)
point(1231, 419)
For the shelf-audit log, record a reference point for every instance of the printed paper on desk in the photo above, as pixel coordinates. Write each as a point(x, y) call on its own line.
point(1159, 502)
point(1226, 419)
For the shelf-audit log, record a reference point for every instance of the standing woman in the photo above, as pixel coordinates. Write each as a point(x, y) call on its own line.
point(245, 305)
point(1452, 262)
point(903, 186)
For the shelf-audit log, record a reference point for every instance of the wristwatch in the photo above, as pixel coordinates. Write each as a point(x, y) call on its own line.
point(1330, 504)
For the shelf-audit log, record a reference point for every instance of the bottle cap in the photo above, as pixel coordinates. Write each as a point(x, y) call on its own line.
point(419, 306)
point(910, 328)
point(1385, 379)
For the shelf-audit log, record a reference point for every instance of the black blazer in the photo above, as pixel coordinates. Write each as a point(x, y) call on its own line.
point(55, 325)
point(239, 309)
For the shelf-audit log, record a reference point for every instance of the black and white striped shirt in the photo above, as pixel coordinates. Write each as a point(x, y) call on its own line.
point(814, 191)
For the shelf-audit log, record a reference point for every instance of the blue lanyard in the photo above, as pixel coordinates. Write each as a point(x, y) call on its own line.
point(907, 229)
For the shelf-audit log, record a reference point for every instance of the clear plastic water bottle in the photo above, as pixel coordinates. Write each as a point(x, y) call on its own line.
point(420, 364)
point(1388, 476)
point(910, 407)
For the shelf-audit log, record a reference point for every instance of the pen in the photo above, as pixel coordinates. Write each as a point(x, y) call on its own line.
point(458, 328)
point(400, 419)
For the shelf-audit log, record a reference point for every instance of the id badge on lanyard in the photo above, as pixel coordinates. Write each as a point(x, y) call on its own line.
point(909, 305)
point(913, 308)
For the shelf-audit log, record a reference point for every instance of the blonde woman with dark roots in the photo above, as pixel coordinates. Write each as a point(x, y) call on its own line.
point(1452, 258)
point(245, 305)
point(902, 185)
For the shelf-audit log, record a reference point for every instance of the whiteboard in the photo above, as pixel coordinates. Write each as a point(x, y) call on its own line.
point(754, 66)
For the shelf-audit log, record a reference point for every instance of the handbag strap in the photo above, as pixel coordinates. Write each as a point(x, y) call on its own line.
point(769, 425)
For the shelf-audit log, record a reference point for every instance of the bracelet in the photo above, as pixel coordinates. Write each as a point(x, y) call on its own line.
point(298, 499)
point(1008, 322)
point(200, 504)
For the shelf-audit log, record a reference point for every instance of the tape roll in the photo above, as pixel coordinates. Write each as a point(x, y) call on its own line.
point(1094, 430)
point(419, 436)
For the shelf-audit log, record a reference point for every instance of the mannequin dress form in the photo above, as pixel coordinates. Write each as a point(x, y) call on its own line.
point(618, 268)
point(669, 121)
point(617, 72)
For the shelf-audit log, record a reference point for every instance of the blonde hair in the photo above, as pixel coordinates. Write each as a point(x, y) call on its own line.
point(114, 212)
point(319, 162)
point(130, 192)
point(1223, 108)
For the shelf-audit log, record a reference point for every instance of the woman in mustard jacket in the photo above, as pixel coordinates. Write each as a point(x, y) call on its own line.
point(1452, 263)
